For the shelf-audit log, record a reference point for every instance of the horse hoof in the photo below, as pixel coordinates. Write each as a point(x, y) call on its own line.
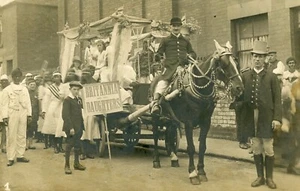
point(203, 178)
point(174, 163)
point(156, 164)
point(195, 180)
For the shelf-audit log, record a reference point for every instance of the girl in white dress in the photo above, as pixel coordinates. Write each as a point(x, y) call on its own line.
point(52, 111)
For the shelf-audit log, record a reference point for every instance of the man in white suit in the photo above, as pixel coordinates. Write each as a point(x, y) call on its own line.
point(16, 113)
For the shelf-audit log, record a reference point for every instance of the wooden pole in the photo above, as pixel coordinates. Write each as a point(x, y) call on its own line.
point(107, 135)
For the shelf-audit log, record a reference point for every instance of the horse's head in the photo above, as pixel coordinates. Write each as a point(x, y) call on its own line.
point(226, 68)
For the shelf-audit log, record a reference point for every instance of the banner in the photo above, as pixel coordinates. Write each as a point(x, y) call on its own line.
point(101, 98)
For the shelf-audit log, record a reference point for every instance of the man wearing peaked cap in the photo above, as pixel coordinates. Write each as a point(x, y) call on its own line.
point(176, 49)
point(274, 65)
point(75, 84)
point(73, 125)
point(262, 113)
point(16, 113)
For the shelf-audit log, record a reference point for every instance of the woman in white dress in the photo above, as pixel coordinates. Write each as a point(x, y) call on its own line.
point(91, 134)
point(101, 59)
point(52, 111)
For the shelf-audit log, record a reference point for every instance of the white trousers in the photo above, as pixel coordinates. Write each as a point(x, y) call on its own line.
point(161, 86)
point(16, 134)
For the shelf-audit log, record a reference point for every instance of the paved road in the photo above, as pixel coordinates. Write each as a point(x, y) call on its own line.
point(131, 171)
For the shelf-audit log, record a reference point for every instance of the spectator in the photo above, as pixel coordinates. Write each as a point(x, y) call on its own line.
point(16, 114)
point(274, 65)
point(291, 74)
point(263, 113)
point(143, 63)
point(73, 125)
point(27, 77)
point(4, 83)
point(91, 134)
point(39, 85)
point(32, 126)
point(77, 66)
point(52, 105)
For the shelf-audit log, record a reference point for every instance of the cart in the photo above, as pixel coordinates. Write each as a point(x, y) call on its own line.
point(131, 133)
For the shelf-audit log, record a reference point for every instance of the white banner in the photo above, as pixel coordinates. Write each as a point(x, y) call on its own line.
point(101, 98)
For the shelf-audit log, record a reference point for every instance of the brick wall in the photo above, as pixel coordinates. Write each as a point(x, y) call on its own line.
point(131, 7)
point(280, 30)
point(8, 51)
point(37, 36)
point(215, 18)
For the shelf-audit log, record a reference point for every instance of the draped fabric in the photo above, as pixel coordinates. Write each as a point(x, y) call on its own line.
point(66, 54)
point(119, 48)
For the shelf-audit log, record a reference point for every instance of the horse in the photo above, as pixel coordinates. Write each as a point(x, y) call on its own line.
point(196, 103)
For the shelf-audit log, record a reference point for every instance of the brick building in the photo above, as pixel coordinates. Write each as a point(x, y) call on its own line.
point(28, 35)
point(240, 22)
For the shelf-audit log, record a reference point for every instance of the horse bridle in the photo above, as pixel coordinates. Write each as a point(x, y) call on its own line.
point(212, 78)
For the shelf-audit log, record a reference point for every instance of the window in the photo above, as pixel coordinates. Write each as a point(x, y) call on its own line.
point(9, 67)
point(249, 30)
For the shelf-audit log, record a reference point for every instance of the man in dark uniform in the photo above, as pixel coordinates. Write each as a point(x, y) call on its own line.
point(175, 48)
point(262, 99)
point(73, 125)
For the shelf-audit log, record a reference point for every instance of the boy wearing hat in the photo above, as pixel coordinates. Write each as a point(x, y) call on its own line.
point(73, 125)
point(32, 127)
point(16, 113)
point(3, 83)
point(176, 49)
point(263, 113)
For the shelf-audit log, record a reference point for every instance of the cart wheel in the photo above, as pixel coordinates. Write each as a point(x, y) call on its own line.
point(131, 134)
point(176, 140)
point(102, 145)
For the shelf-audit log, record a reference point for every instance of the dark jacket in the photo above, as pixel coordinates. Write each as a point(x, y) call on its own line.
point(72, 115)
point(175, 50)
point(262, 92)
point(34, 105)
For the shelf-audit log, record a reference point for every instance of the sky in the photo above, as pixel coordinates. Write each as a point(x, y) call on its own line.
point(3, 2)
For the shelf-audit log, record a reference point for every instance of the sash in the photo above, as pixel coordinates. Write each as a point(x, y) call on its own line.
point(54, 90)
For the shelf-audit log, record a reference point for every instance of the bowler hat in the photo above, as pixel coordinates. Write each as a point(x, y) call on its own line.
point(76, 58)
point(175, 21)
point(260, 47)
point(75, 84)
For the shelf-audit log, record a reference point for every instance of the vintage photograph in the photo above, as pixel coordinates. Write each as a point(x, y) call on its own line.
point(152, 95)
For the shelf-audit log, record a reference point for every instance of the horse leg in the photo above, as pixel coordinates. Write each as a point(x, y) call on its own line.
point(193, 174)
point(156, 161)
point(202, 149)
point(172, 132)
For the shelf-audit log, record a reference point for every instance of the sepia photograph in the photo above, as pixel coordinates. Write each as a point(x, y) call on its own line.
point(151, 95)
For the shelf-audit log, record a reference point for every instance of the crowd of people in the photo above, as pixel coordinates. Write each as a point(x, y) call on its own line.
point(44, 106)
point(32, 108)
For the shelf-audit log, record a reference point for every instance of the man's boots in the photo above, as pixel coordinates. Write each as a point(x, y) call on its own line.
point(269, 171)
point(77, 165)
point(156, 108)
point(258, 159)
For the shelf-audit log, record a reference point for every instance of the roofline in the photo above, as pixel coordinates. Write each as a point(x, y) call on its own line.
point(29, 3)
